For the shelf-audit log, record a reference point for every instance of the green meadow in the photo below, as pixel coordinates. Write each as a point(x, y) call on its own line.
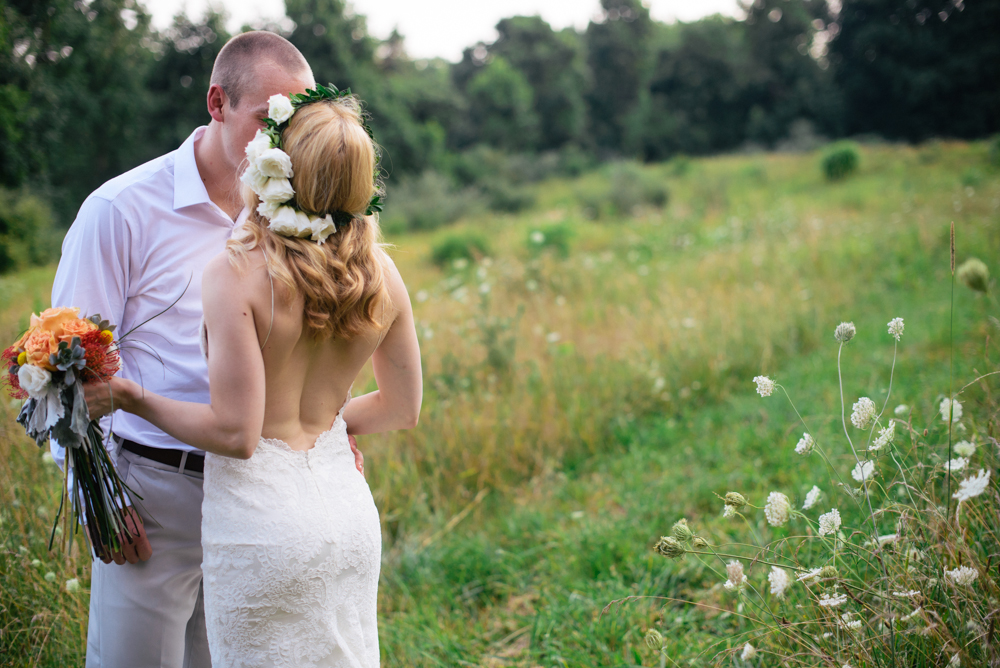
point(588, 368)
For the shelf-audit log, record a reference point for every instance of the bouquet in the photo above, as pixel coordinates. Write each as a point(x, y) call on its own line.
point(47, 367)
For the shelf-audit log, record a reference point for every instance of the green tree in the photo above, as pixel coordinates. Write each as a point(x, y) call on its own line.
point(913, 70)
point(552, 64)
point(501, 107)
point(618, 56)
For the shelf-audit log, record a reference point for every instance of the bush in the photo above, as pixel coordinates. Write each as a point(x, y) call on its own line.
point(840, 161)
point(555, 236)
point(459, 246)
point(27, 237)
point(425, 203)
point(632, 186)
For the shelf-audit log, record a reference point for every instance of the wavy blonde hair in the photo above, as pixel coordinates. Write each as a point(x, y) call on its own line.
point(342, 281)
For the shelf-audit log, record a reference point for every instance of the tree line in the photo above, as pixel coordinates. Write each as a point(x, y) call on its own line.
point(88, 89)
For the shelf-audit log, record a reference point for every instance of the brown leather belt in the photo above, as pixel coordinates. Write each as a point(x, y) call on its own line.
point(194, 462)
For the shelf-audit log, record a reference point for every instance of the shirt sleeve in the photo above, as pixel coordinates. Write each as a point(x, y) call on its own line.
point(93, 272)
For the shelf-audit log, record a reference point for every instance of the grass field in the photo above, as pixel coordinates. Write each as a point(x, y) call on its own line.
point(587, 386)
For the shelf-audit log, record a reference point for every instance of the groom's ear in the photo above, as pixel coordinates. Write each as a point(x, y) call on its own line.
point(216, 102)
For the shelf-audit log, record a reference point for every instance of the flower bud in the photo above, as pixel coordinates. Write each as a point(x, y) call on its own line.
point(845, 332)
point(736, 500)
point(654, 640)
point(699, 543)
point(829, 573)
point(974, 273)
point(681, 531)
point(670, 547)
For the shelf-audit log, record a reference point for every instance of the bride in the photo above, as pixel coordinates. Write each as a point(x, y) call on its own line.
point(301, 299)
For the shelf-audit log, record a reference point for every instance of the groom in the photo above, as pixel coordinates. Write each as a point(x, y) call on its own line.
point(137, 241)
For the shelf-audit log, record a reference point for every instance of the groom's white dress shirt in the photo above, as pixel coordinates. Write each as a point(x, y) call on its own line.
point(136, 243)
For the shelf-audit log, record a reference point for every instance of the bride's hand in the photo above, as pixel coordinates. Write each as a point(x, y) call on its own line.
point(359, 459)
point(103, 398)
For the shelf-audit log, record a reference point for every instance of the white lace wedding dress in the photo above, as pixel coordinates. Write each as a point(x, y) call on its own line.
point(292, 549)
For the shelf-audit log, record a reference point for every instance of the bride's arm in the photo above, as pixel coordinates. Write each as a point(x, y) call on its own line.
point(396, 363)
point(231, 424)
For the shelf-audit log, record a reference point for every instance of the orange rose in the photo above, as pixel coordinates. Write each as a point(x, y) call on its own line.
point(39, 345)
point(53, 320)
point(77, 327)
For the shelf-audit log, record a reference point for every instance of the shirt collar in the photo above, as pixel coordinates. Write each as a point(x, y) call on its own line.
point(188, 186)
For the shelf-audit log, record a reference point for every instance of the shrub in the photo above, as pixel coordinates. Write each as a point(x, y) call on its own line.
point(466, 245)
point(27, 237)
point(631, 186)
point(555, 237)
point(425, 203)
point(502, 195)
point(840, 161)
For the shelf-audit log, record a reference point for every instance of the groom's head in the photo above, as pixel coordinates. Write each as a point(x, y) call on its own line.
point(251, 68)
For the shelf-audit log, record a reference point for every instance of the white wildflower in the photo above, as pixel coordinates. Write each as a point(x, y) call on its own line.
point(765, 386)
point(956, 464)
point(728, 511)
point(956, 662)
point(962, 576)
point(845, 332)
point(777, 509)
point(72, 586)
point(812, 497)
point(537, 237)
point(847, 622)
point(832, 600)
point(863, 413)
point(885, 436)
point(805, 445)
point(778, 577)
point(809, 575)
point(748, 652)
point(953, 407)
point(964, 449)
point(736, 577)
point(914, 613)
point(863, 471)
point(896, 327)
point(829, 523)
point(901, 410)
point(910, 593)
point(972, 487)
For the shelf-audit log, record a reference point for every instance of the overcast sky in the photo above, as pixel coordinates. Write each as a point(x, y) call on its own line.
point(441, 27)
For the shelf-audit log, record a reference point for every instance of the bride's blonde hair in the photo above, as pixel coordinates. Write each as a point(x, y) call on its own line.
point(342, 281)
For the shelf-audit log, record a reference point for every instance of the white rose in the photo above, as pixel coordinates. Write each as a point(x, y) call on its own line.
point(277, 190)
point(322, 227)
point(275, 163)
point(260, 143)
point(279, 108)
point(253, 178)
point(34, 380)
point(290, 223)
point(268, 209)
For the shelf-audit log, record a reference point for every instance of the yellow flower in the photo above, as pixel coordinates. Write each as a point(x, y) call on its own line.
point(22, 358)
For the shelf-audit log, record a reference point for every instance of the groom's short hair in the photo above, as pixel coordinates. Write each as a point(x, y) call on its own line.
point(235, 66)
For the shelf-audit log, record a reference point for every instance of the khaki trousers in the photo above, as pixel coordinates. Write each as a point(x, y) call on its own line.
point(152, 614)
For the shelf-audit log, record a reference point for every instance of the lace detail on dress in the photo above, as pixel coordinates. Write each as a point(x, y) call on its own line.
point(292, 549)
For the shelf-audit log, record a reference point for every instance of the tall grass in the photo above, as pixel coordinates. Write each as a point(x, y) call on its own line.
point(581, 396)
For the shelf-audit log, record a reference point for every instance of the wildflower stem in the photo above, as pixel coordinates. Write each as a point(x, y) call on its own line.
point(951, 369)
point(822, 454)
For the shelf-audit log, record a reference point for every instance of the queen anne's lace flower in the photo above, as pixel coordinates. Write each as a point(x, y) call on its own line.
point(847, 622)
point(956, 464)
point(901, 410)
point(910, 593)
point(748, 652)
point(832, 600)
point(809, 575)
point(863, 413)
point(728, 511)
point(765, 386)
point(964, 449)
point(654, 639)
point(962, 576)
point(973, 486)
point(863, 470)
point(885, 436)
point(812, 497)
point(896, 327)
point(778, 577)
point(777, 509)
point(845, 332)
point(954, 407)
point(829, 523)
point(736, 577)
point(805, 445)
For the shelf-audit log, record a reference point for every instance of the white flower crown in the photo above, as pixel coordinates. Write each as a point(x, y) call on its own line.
point(268, 175)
